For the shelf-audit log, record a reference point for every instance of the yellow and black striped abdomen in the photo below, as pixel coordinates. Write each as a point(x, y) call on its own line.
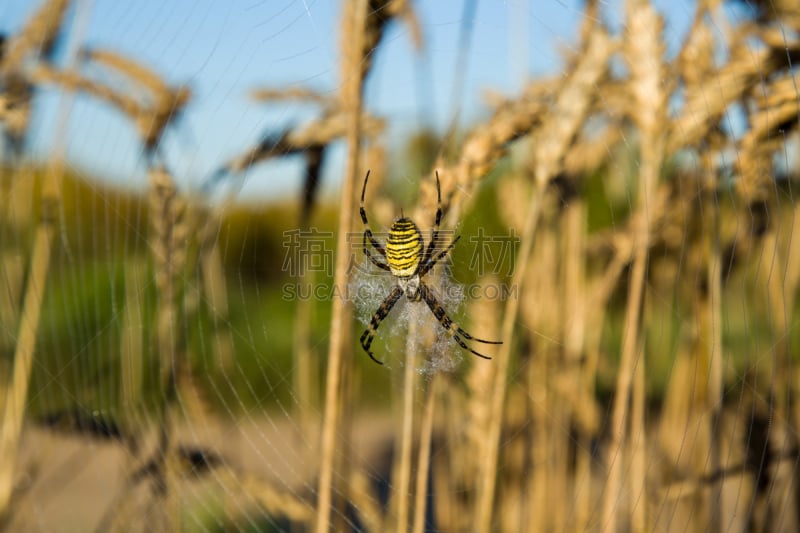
point(404, 248)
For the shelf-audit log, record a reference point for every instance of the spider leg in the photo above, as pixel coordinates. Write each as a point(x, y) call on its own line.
point(431, 262)
point(371, 257)
point(367, 231)
point(435, 233)
point(448, 324)
point(377, 318)
point(374, 242)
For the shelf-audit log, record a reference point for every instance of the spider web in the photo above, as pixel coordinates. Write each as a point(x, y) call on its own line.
point(227, 436)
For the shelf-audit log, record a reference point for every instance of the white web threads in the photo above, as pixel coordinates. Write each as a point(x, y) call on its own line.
point(367, 289)
point(438, 351)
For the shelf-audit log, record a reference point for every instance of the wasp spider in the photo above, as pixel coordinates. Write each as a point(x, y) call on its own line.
point(408, 260)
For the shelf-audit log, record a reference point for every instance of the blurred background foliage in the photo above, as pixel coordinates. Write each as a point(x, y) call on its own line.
point(103, 234)
point(636, 219)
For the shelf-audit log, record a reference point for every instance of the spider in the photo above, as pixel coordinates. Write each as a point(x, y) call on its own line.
point(408, 260)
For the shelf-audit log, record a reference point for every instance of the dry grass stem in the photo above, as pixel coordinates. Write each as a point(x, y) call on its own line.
point(401, 487)
point(354, 19)
point(17, 393)
point(424, 457)
point(566, 116)
point(132, 342)
point(215, 289)
point(574, 384)
point(42, 31)
point(644, 55)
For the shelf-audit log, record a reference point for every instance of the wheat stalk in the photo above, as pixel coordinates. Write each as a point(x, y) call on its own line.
point(400, 492)
point(215, 289)
point(572, 383)
point(776, 112)
point(643, 53)
point(132, 70)
point(354, 20)
point(131, 342)
point(561, 125)
point(16, 395)
point(37, 37)
point(36, 40)
point(424, 457)
point(150, 118)
point(42, 27)
point(169, 257)
point(706, 101)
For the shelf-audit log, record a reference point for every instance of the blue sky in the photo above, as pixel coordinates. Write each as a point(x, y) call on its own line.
point(223, 49)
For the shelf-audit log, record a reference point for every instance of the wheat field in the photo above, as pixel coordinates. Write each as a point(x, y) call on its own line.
point(161, 369)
